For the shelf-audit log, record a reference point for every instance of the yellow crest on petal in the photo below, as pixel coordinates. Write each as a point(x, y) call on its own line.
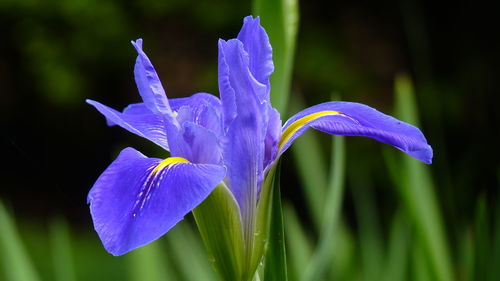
point(169, 162)
point(299, 123)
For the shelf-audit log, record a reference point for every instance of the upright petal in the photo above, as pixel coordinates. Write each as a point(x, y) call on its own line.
point(137, 119)
point(138, 199)
point(226, 90)
point(149, 83)
point(354, 119)
point(256, 44)
point(243, 147)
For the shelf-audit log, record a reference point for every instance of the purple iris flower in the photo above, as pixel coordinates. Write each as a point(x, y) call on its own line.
point(235, 140)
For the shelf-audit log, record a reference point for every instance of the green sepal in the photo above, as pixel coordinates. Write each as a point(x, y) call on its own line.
point(219, 222)
point(263, 215)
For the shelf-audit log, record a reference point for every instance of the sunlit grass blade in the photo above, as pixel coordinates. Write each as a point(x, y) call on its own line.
point(16, 263)
point(149, 263)
point(421, 270)
point(275, 258)
point(187, 251)
point(322, 257)
point(398, 249)
point(370, 237)
point(482, 240)
point(465, 264)
point(61, 251)
point(311, 167)
point(299, 247)
point(493, 268)
point(417, 191)
point(280, 18)
point(344, 265)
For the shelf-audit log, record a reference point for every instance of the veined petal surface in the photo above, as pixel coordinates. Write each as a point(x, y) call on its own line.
point(197, 144)
point(256, 44)
point(202, 109)
point(138, 199)
point(243, 145)
point(354, 119)
point(136, 119)
point(148, 82)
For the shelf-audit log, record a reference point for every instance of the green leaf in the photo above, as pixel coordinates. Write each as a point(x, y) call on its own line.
point(300, 247)
point(398, 248)
point(16, 262)
point(311, 166)
point(219, 223)
point(187, 253)
point(280, 18)
point(61, 251)
point(417, 190)
point(483, 243)
point(367, 216)
point(148, 263)
point(275, 257)
point(323, 255)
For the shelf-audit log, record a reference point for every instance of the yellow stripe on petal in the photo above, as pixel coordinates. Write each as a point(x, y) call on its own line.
point(299, 123)
point(169, 162)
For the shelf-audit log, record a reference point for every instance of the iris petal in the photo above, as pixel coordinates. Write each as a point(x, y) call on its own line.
point(136, 119)
point(148, 82)
point(138, 199)
point(272, 138)
point(243, 146)
point(202, 109)
point(197, 144)
point(256, 44)
point(354, 119)
point(196, 100)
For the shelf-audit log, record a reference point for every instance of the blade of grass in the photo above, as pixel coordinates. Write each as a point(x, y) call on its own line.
point(417, 191)
point(370, 238)
point(322, 258)
point(466, 255)
point(493, 268)
point(16, 262)
point(299, 250)
point(275, 258)
point(148, 263)
point(398, 249)
point(482, 240)
point(280, 18)
point(61, 251)
point(309, 159)
point(344, 265)
point(189, 254)
point(421, 269)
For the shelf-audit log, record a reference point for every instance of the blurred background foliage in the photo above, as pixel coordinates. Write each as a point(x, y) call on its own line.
point(373, 214)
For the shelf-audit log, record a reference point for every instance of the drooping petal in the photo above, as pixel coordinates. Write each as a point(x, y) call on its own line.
point(354, 119)
point(256, 44)
point(148, 82)
point(138, 199)
point(136, 119)
point(243, 146)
